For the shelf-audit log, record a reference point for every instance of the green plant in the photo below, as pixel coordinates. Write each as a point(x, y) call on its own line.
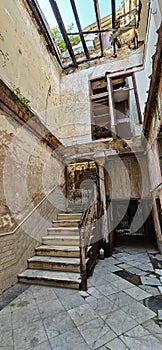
point(56, 34)
point(22, 98)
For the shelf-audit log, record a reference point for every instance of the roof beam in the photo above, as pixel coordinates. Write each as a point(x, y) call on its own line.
point(79, 28)
point(97, 11)
point(113, 7)
point(60, 22)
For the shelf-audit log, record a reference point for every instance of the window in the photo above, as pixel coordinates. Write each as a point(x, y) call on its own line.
point(113, 106)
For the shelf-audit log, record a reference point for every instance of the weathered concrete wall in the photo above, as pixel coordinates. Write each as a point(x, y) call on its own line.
point(154, 21)
point(127, 178)
point(75, 104)
point(29, 170)
point(25, 62)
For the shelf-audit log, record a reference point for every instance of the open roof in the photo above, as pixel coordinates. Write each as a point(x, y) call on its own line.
point(99, 38)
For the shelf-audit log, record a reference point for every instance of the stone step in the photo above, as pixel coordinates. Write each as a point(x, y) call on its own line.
point(59, 251)
point(54, 263)
point(69, 216)
point(61, 240)
point(65, 223)
point(50, 278)
point(63, 231)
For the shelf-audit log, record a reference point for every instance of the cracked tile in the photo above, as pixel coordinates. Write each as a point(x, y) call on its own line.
point(138, 312)
point(140, 339)
point(58, 324)
point(82, 314)
point(119, 321)
point(96, 333)
point(103, 306)
point(121, 299)
point(68, 341)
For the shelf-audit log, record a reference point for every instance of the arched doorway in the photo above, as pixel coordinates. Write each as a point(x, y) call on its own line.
point(81, 176)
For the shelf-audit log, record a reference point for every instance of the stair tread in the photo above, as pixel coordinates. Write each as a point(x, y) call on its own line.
point(55, 259)
point(61, 237)
point(65, 220)
point(55, 247)
point(51, 275)
point(63, 228)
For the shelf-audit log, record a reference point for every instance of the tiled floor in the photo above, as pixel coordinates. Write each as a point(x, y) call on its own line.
point(111, 315)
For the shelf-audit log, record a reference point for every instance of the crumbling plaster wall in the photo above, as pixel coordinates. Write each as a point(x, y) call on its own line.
point(75, 103)
point(153, 24)
point(25, 62)
point(28, 171)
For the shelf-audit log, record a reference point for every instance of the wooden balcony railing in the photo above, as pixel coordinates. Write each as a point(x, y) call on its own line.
point(90, 230)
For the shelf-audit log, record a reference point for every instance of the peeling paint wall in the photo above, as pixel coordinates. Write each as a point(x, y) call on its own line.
point(154, 21)
point(29, 170)
point(25, 62)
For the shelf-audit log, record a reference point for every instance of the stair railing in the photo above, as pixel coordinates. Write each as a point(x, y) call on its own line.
point(87, 227)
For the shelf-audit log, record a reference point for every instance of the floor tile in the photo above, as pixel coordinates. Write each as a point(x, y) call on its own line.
point(43, 346)
point(30, 336)
point(5, 322)
point(123, 266)
point(137, 293)
point(121, 299)
point(58, 324)
point(150, 280)
point(115, 344)
point(67, 341)
point(24, 299)
point(119, 321)
point(139, 312)
point(107, 289)
point(96, 333)
point(24, 316)
point(140, 339)
point(95, 292)
point(70, 302)
point(6, 339)
point(82, 314)
point(50, 308)
point(152, 290)
point(121, 284)
point(103, 306)
point(41, 295)
point(153, 328)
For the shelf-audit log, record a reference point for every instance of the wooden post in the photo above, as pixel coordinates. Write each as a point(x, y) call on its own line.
point(111, 107)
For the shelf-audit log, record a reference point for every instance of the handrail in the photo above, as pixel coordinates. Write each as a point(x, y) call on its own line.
point(88, 219)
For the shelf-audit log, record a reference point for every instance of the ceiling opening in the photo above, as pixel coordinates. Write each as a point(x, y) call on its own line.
point(84, 32)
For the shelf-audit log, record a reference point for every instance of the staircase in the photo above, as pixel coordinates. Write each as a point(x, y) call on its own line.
point(57, 260)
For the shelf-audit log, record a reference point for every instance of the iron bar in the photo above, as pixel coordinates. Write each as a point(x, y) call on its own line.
point(100, 31)
point(60, 22)
point(97, 11)
point(113, 19)
point(79, 28)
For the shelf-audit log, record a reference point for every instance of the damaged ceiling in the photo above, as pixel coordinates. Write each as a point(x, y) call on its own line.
point(102, 38)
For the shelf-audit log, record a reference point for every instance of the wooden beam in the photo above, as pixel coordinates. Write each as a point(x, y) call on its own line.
point(61, 25)
point(79, 28)
point(97, 11)
point(137, 98)
point(111, 106)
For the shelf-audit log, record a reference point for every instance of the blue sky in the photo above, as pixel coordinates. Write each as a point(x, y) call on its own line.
point(84, 7)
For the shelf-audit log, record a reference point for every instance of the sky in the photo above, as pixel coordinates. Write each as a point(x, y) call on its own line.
point(85, 9)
